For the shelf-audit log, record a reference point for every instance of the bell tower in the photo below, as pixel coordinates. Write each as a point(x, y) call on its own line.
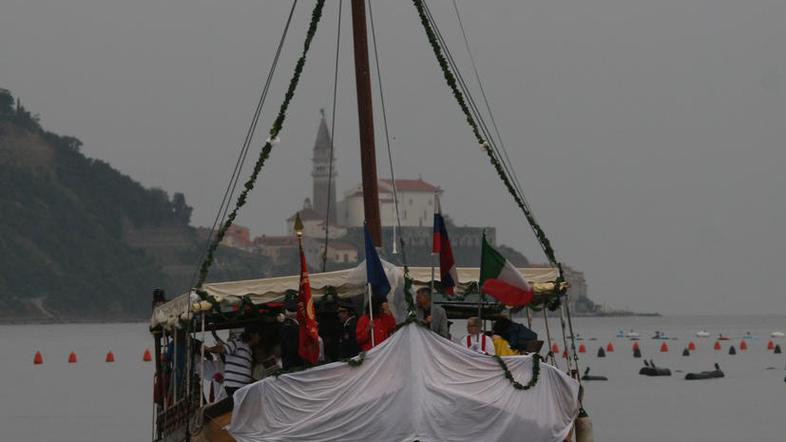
point(321, 176)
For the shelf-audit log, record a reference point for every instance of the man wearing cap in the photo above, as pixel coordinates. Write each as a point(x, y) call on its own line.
point(433, 315)
point(290, 332)
point(329, 326)
point(347, 344)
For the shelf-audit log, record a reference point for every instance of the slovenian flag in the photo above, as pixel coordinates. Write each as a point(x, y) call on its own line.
point(375, 273)
point(500, 279)
point(441, 244)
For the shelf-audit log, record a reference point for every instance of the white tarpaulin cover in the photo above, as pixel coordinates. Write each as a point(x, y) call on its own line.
point(348, 282)
point(414, 386)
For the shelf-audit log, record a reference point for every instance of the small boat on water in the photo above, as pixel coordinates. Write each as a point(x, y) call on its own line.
point(777, 334)
point(723, 337)
point(717, 373)
point(660, 335)
point(702, 334)
point(650, 369)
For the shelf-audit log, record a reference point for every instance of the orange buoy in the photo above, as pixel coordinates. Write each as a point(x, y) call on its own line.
point(664, 347)
point(770, 345)
point(717, 346)
point(636, 346)
point(610, 347)
point(147, 357)
point(691, 346)
point(110, 357)
point(555, 348)
point(743, 345)
point(72, 358)
point(38, 359)
point(582, 348)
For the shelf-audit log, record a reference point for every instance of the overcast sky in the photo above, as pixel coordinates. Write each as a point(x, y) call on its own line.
point(649, 136)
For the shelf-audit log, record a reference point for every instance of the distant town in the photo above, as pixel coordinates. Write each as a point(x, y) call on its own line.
point(333, 229)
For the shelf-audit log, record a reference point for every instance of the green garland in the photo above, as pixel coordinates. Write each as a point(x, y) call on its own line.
point(451, 80)
point(509, 376)
point(265, 153)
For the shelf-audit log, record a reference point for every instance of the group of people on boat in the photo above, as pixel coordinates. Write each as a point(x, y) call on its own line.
point(271, 344)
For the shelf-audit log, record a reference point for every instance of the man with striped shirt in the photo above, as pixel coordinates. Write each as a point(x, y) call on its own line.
point(238, 366)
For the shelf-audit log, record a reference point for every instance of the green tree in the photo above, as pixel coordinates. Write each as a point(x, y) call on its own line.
point(6, 102)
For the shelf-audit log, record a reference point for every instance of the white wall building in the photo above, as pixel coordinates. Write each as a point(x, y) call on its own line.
point(415, 204)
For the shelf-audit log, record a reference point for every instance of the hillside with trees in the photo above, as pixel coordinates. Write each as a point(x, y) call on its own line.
point(80, 240)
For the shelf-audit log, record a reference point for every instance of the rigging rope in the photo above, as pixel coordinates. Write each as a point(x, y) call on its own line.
point(232, 185)
point(497, 132)
point(332, 139)
point(473, 105)
point(548, 336)
point(565, 309)
point(265, 153)
point(387, 133)
point(486, 142)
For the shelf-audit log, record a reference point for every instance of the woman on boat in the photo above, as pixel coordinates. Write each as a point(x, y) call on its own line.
point(382, 325)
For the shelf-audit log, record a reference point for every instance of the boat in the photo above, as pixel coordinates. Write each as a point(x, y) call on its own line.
point(702, 334)
point(777, 334)
point(371, 396)
point(660, 335)
point(722, 337)
point(650, 369)
point(710, 374)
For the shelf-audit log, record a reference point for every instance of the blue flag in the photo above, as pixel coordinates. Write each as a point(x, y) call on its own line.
point(375, 273)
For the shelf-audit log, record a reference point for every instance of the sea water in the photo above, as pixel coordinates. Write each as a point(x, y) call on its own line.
point(97, 401)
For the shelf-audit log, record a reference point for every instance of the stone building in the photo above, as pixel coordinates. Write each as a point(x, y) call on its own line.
point(324, 181)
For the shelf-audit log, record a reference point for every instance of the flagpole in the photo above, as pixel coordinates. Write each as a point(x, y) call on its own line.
point(480, 289)
point(431, 286)
point(371, 314)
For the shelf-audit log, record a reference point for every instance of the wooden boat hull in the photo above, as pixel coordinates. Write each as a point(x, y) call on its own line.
point(213, 431)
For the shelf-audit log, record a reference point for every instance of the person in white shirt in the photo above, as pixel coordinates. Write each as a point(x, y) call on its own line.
point(238, 366)
point(475, 340)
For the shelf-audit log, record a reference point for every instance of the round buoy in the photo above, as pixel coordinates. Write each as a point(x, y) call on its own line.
point(635, 346)
point(582, 348)
point(637, 352)
point(555, 348)
point(601, 353)
point(72, 358)
point(770, 345)
point(110, 357)
point(147, 357)
point(686, 352)
point(664, 347)
point(610, 347)
point(717, 346)
point(691, 346)
point(732, 351)
point(743, 345)
point(777, 350)
point(38, 359)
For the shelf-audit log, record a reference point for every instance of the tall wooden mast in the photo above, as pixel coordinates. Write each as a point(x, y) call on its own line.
point(368, 158)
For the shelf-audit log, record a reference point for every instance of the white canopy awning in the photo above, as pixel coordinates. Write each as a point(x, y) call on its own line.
point(349, 282)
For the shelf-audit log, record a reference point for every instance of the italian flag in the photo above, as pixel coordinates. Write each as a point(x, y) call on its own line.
point(500, 279)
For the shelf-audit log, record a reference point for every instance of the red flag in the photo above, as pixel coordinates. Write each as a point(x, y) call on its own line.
point(308, 339)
